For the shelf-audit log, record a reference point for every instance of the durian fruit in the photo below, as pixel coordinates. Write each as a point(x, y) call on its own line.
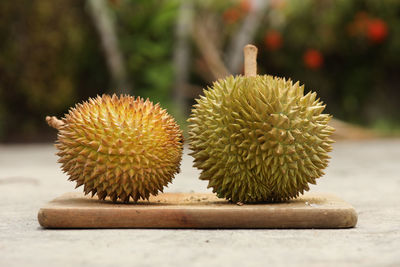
point(119, 147)
point(259, 138)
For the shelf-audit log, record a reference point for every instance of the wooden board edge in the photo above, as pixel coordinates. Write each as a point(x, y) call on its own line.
point(93, 219)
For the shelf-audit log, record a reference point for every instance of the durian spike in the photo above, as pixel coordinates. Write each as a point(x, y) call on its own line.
point(250, 60)
point(54, 122)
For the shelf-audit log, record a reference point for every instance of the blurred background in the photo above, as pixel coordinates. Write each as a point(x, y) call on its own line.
point(55, 53)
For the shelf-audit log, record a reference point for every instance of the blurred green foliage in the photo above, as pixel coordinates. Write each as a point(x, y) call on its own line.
point(49, 59)
point(145, 30)
point(51, 56)
point(356, 58)
point(146, 35)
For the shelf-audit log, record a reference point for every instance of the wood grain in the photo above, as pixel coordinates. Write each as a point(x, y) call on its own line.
point(195, 210)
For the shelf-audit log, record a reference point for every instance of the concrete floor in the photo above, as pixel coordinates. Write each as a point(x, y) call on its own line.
point(366, 174)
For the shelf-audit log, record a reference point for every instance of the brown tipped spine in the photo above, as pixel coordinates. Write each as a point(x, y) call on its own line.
point(250, 60)
point(54, 122)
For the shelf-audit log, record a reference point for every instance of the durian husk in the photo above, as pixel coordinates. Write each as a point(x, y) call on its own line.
point(119, 147)
point(259, 139)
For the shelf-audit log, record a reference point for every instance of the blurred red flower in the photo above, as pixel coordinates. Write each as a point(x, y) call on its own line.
point(273, 40)
point(363, 25)
point(377, 30)
point(245, 5)
point(358, 26)
point(231, 15)
point(313, 59)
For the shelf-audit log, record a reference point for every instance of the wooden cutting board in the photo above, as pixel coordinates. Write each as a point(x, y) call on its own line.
point(195, 210)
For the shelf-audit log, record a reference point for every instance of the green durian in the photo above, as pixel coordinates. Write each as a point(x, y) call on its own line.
point(259, 138)
point(119, 147)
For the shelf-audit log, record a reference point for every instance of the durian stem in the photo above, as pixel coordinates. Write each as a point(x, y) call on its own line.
point(54, 122)
point(250, 60)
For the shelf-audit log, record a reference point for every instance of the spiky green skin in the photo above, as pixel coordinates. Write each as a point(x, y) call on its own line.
point(120, 147)
point(259, 139)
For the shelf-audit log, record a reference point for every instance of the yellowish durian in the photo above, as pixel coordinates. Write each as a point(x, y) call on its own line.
point(119, 147)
